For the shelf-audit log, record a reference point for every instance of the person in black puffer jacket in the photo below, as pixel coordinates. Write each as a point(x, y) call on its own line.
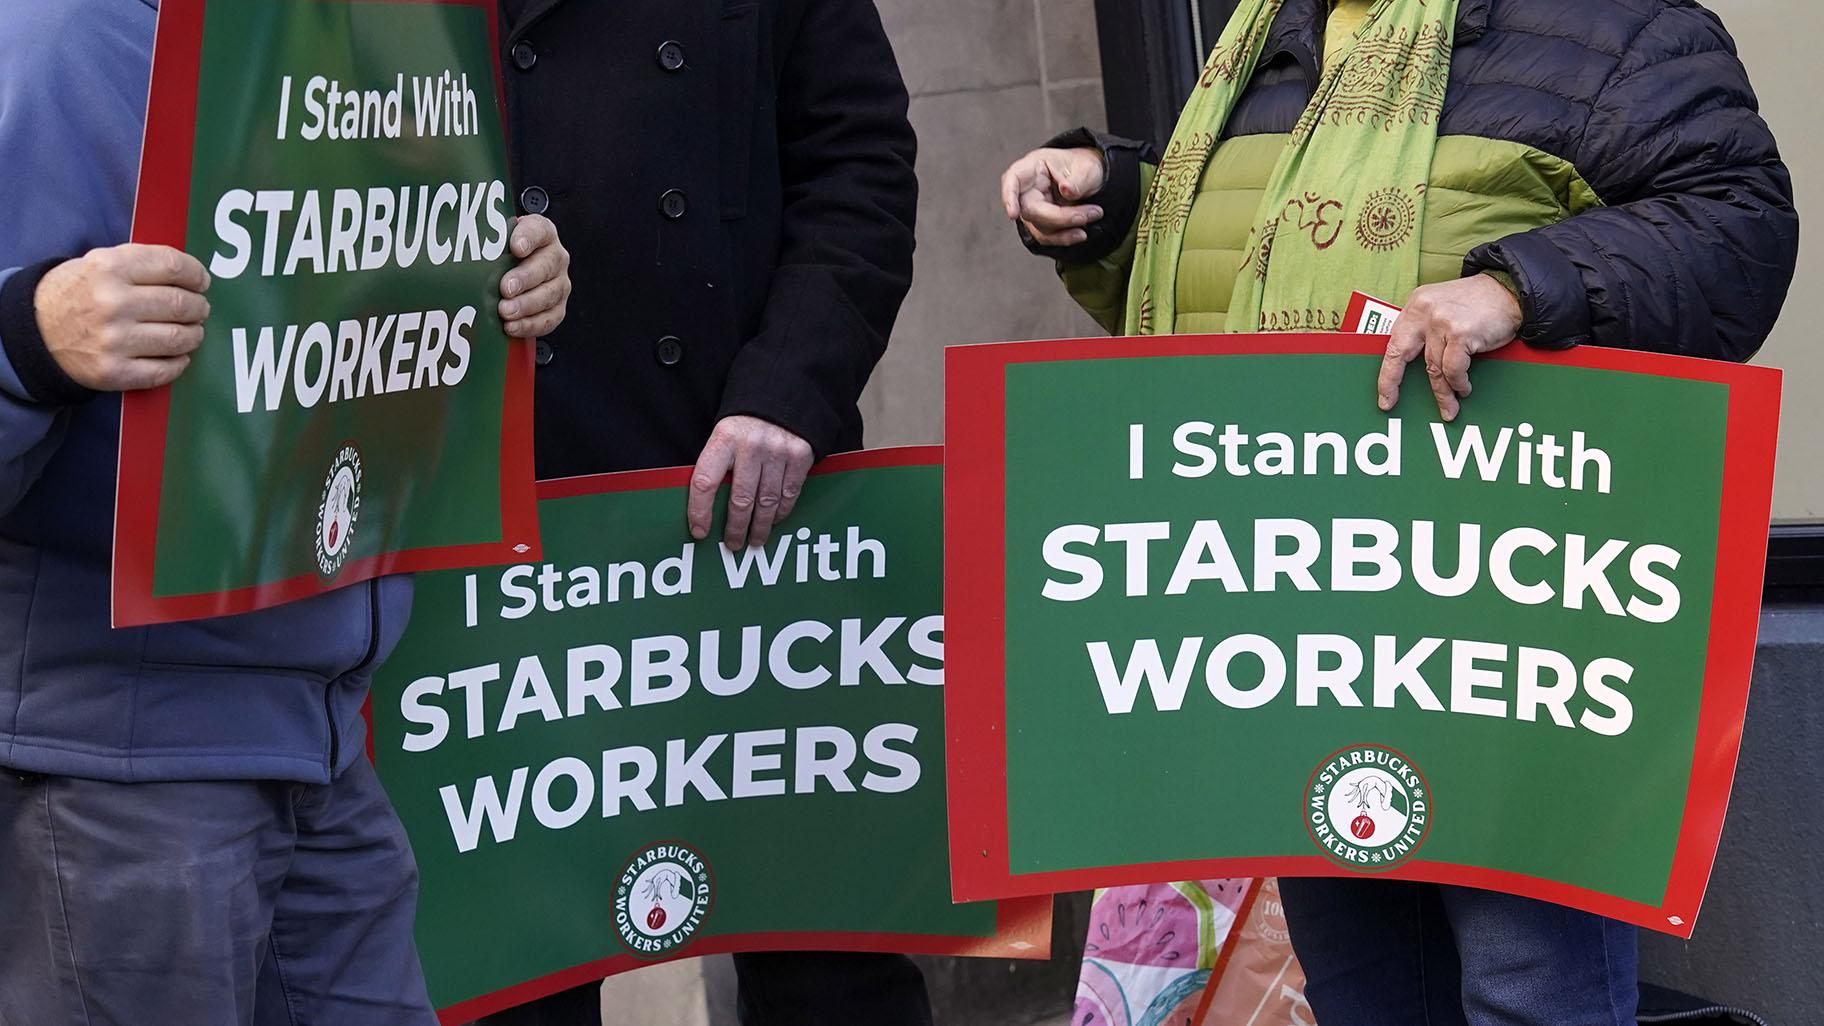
point(1601, 177)
point(1662, 218)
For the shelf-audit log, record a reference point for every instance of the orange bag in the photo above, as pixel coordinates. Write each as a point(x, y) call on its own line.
point(1258, 981)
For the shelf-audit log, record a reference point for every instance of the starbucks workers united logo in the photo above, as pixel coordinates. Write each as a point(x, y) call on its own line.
point(1368, 807)
point(661, 899)
point(338, 511)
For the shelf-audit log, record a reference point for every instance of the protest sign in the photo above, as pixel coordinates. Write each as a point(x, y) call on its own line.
point(645, 748)
point(1213, 614)
point(355, 408)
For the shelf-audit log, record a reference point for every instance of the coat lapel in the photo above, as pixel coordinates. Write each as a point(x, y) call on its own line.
point(534, 10)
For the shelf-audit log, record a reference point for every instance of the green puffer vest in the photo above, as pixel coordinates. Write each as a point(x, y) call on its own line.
point(1481, 189)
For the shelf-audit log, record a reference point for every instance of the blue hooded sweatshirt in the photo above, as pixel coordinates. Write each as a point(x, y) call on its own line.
point(273, 695)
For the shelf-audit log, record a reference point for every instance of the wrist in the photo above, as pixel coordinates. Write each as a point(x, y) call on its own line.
point(1119, 196)
point(40, 376)
point(1507, 282)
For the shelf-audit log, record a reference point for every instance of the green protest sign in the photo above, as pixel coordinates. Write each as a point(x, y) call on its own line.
point(645, 748)
point(355, 408)
point(1213, 614)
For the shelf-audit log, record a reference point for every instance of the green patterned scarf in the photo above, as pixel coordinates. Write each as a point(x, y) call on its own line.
point(1343, 208)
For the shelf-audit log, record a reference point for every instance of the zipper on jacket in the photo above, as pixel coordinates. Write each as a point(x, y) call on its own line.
point(329, 715)
point(329, 690)
point(1709, 1012)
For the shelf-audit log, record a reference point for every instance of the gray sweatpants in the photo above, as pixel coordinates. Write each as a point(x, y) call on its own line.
point(206, 904)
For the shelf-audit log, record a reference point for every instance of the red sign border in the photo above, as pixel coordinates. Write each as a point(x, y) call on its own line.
point(974, 606)
point(160, 216)
point(1024, 920)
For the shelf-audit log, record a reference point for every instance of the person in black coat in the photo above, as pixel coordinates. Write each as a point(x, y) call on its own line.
point(734, 179)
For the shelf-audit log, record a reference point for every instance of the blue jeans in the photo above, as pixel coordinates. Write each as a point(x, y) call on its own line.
point(1393, 953)
point(233, 903)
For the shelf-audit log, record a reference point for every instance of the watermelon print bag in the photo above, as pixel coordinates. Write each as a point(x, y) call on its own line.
point(1151, 951)
point(1191, 953)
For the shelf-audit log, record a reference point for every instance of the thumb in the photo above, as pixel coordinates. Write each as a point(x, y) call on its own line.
point(1067, 185)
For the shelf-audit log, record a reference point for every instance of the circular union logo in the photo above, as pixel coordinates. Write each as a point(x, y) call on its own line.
point(338, 511)
point(1368, 807)
point(661, 899)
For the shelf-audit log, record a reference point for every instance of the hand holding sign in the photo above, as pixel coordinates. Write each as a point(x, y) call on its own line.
point(768, 465)
point(535, 293)
point(124, 317)
point(350, 205)
point(1186, 561)
point(695, 750)
point(1449, 323)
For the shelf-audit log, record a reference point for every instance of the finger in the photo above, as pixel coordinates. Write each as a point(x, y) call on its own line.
point(1038, 210)
point(1010, 189)
point(163, 265)
point(743, 489)
point(163, 341)
point(545, 265)
point(545, 297)
point(1067, 237)
point(539, 326)
point(797, 467)
point(1063, 171)
point(153, 373)
point(1061, 174)
point(531, 233)
point(766, 504)
point(1405, 344)
point(164, 304)
point(1456, 365)
point(1435, 343)
point(705, 480)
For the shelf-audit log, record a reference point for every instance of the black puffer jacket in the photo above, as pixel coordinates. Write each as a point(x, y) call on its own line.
point(1694, 249)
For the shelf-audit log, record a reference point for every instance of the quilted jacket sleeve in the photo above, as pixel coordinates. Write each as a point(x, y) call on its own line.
point(1100, 286)
point(1695, 250)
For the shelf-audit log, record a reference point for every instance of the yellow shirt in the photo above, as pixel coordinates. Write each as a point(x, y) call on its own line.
point(1345, 17)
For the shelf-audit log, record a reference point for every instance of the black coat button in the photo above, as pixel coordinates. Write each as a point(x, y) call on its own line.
point(671, 55)
point(545, 353)
point(534, 200)
point(669, 350)
point(524, 56)
point(673, 204)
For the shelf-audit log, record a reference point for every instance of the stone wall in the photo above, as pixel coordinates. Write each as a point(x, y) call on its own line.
point(990, 80)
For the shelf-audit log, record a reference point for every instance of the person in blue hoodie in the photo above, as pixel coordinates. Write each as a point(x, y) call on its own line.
point(190, 834)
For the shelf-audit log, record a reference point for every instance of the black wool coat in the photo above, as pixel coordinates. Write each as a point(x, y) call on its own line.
point(734, 181)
